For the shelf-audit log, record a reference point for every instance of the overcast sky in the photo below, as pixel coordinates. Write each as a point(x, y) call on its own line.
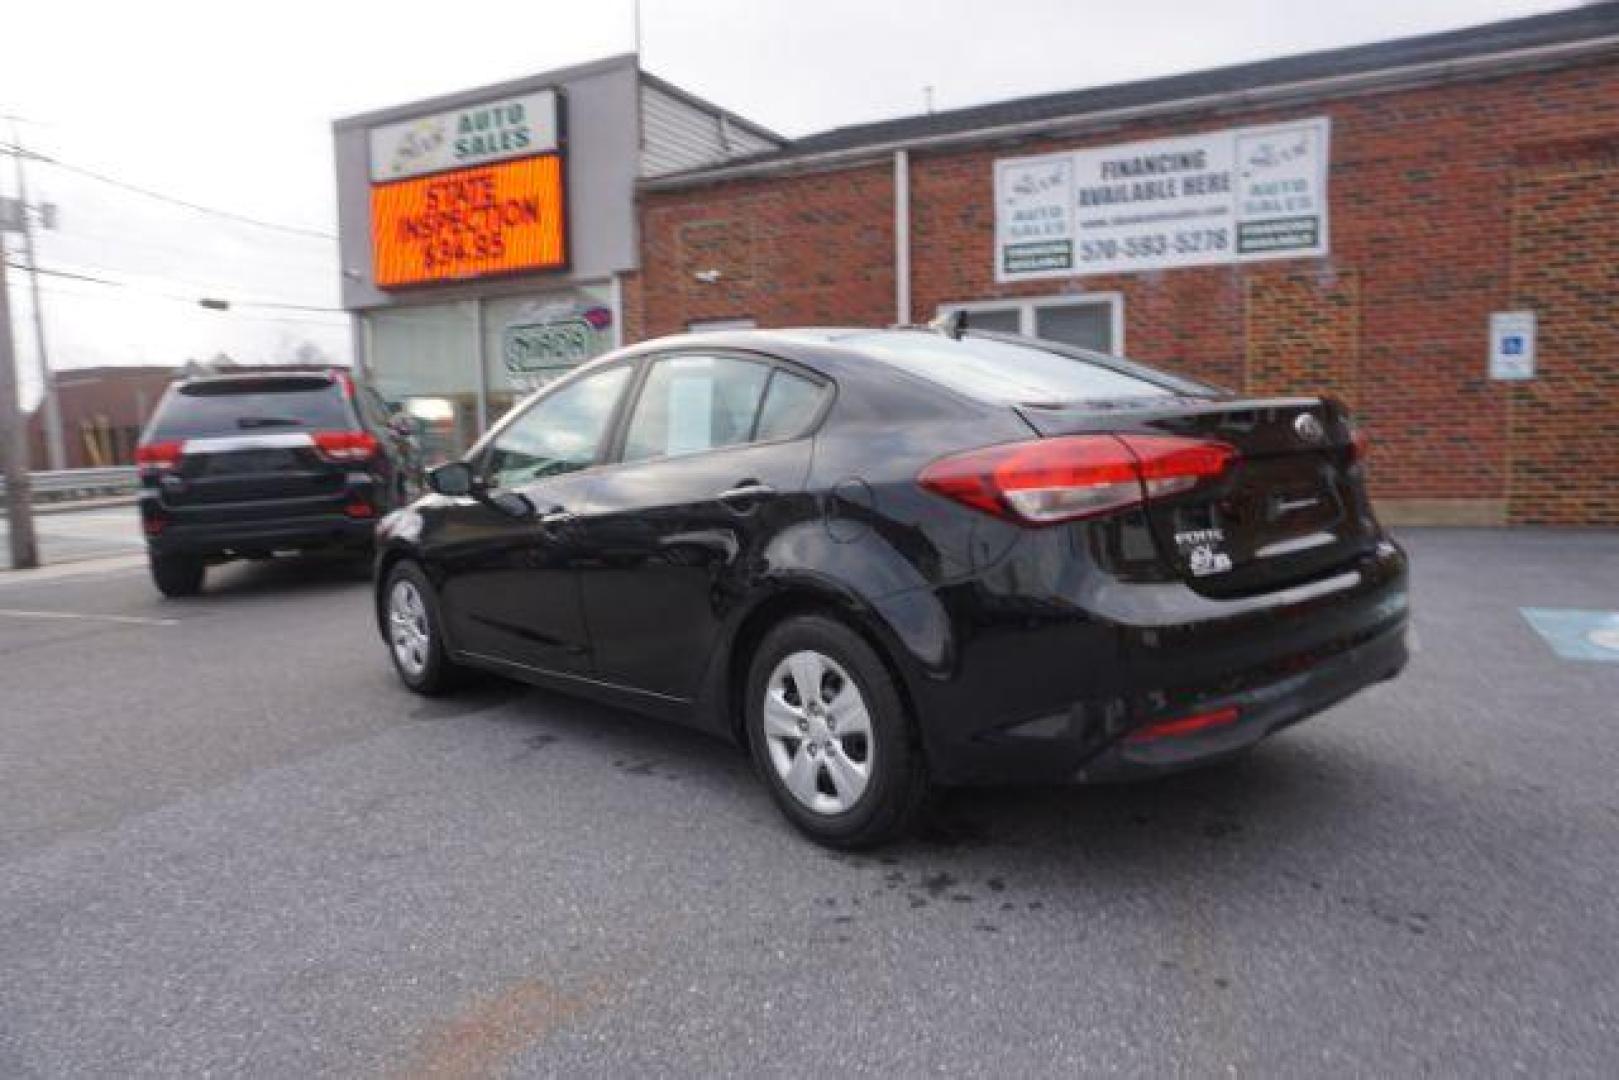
point(229, 106)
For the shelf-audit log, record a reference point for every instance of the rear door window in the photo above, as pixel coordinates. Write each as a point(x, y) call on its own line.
point(791, 404)
point(263, 406)
point(694, 403)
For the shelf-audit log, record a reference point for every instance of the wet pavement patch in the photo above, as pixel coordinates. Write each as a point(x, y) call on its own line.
point(1578, 635)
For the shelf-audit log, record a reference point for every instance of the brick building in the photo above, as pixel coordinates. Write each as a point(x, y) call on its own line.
point(1388, 200)
point(103, 412)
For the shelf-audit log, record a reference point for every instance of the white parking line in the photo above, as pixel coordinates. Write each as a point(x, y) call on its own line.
point(88, 616)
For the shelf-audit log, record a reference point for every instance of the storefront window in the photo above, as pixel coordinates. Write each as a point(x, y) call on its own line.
point(531, 340)
point(424, 361)
point(425, 358)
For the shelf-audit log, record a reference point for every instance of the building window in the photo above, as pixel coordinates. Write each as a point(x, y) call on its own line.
point(698, 326)
point(1088, 321)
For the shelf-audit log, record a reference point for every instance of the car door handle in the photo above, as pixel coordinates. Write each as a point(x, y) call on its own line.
point(746, 491)
point(556, 516)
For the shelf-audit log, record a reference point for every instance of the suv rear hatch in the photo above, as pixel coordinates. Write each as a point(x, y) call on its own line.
point(1291, 507)
point(246, 439)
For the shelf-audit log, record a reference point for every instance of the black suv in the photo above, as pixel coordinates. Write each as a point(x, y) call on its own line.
point(245, 466)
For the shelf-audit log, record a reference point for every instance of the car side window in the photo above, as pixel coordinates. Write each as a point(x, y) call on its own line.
point(560, 433)
point(693, 403)
point(791, 404)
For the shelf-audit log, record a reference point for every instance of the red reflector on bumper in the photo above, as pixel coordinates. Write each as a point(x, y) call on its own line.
point(1185, 725)
point(359, 509)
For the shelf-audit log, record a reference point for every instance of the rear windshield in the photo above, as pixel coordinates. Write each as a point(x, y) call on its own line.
point(204, 409)
point(1017, 371)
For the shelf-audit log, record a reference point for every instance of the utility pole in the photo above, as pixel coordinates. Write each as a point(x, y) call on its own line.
point(14, 442)
point(54, 448)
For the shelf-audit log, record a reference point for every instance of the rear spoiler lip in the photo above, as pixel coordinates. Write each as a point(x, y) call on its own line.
point(233, 380)
point(1174, 404)
point(1052, 420)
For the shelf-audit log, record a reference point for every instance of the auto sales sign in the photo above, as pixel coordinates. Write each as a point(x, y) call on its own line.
point(1230, 196)
point(469, 193)
point(493, 131)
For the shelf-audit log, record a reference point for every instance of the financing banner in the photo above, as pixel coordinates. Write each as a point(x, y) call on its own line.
point(1221, 197)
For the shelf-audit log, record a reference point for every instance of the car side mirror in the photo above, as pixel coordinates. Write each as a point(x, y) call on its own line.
point(454, 478)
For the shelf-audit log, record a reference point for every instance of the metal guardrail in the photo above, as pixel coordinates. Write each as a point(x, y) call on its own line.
point(79, 483)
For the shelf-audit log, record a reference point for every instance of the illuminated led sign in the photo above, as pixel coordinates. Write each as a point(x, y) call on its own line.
point(467, 223)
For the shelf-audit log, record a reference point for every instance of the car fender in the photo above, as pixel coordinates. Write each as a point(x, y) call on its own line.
point(866, 581)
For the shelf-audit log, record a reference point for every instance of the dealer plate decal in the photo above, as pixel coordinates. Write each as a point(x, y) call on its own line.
point(1578, 635)
point(1201, 548)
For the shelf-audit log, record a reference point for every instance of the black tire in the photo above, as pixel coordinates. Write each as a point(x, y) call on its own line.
point(897, 786)
point(178, 576)
point(437, 674)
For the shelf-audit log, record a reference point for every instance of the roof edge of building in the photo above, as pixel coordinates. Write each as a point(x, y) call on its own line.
point(479, 94)
point(697, 101)
point(1372, 80)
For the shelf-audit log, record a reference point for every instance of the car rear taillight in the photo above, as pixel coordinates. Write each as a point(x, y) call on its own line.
point(345, 445)
point(158, 457)
point(1077, 476)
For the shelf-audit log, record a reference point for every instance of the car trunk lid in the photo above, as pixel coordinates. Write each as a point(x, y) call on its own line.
point(1292, 506)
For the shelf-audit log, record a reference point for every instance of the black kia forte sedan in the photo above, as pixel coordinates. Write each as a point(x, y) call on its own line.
point(882, 560)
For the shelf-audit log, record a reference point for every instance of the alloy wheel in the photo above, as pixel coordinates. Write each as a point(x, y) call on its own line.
point(818, 732)
point(410, 633)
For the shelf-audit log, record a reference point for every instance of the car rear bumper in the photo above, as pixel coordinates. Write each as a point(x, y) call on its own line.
point(1260, 711)
point(1075, 695)
point(346, 517)
point(257, 537)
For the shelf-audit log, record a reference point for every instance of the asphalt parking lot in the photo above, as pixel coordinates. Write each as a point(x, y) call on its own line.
point(229, 843)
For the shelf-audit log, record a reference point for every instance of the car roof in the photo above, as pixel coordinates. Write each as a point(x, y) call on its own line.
point(854, 350)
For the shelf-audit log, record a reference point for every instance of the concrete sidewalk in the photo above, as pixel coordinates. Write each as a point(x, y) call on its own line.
point(73, 533)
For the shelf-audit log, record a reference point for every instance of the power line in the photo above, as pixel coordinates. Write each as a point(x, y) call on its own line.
point(160, 197)
point(126, 298)
point(91, 279)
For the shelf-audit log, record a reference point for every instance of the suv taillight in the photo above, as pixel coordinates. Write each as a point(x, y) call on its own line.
point(345, 445)
point(158, 457)
point(1360, 445)
point(1077, 476)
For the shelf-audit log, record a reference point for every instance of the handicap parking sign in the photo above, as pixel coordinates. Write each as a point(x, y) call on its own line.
point(1512, 345)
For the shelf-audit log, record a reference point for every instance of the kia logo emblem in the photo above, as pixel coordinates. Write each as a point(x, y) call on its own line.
point(1308, 428)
